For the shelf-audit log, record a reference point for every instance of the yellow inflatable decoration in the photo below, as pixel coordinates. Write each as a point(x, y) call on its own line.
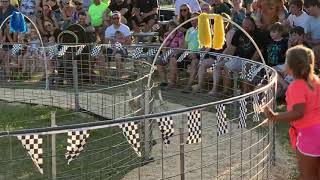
point(205, 39)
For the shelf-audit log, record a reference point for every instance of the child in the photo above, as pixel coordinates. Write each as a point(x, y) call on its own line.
point(303, 111)
point(32, 53)
point(296, 36)
point(278, 46)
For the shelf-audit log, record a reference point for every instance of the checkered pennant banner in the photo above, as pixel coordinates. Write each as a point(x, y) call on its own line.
point(137, 53)
point(118, 46)
point(166, 128)
point(96, 50)
point(79, 51)
point(183, 56)
point(243, 114)
point(243, 73)
point(76, 142)
point(63, 50)
point(33, 145)
point(167, 54)
point(222, 125)
point(155, 27)
point(254, 70)
point(15, 49)
point(194, 127)
point(256, 108)
point(53, 51)
point(152, 52)
point(130, 131)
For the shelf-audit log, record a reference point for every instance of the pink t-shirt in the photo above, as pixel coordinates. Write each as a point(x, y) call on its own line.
point(174, 41)
point(299, 92)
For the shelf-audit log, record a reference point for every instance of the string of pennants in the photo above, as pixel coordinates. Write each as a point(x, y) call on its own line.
point(77, 139)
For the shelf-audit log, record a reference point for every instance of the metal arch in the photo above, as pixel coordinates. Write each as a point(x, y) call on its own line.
point(211, 16)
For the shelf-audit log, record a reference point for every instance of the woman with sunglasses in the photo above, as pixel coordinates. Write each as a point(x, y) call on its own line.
point(67, 11)
point(56, 11)
point(184, 15)
point(78, 9)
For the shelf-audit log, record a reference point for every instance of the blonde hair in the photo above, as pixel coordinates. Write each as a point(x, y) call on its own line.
point(300, 60)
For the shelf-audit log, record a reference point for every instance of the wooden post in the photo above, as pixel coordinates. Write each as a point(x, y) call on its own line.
point(53, 147)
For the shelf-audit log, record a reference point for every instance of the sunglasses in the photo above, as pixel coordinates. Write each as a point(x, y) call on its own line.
point(116, 18)
point(4, 1)
point(77, 3)
point(184, 10)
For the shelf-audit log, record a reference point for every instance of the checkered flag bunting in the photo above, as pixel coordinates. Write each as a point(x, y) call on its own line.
point(256, 108)
point(79, 51)
point(167, 54)
point(243, 73)
point(166, 128)
point(254, 70)
point(243, 114)
point(194, 127)
point(76, 143)
point(137, 53)
point(15, 49)
point(33, 145)
point(183, 56)
point(63, 50)
point(53, 51)
point(152, 52)
point(96, 50)
point(130, 131)
point(222, 125)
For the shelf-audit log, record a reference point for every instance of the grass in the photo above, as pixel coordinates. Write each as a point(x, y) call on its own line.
point(107, 154)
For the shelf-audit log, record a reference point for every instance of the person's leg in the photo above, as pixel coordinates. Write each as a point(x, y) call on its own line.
point(149, 25)
point(202, 71)
point(162, 73)
point(194, 70)
point(119, 64)
point(173, 69)
point(309, 167)
point(216, 77)
point(226, 79)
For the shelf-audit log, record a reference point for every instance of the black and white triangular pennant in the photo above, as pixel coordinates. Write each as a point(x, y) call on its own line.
point(254, 70)
point(183, 56)
point(194, 127)
point(243, 113)
point(256, 108)
point(53, 51)
point(166, 55)
point(63, 50)
point(96, 50)
point(79, 51)
point(118, 46)
point(243, 73)
point(15, 49)
point(130, 131)
point(222, 125)
point(33, 145)
point(76, 142)
point(152, 51)
point(166, 128)
point(136, 54)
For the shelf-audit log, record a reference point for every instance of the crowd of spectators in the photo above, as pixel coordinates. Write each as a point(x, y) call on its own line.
point(275, 25)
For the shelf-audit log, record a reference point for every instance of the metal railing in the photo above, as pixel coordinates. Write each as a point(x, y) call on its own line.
point(242, 153)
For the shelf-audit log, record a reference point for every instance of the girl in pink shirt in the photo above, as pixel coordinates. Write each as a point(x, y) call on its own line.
point(303, 111)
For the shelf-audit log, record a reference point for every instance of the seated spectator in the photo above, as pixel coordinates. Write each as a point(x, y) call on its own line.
point(6, 10)
point(313, 32)
point(193, 5)
point(55, 8)
point(185, 14)
point(67, 10)
point(298, 17)
point(176, 40)
point(110, 38)
point(242, 46)
point(220, 7)
point(96, 12)
point(77, 11)
point(277, 47)
point(122, 7)
point(145, 15)
point(271, 11)
point(296, 37)
point(48, 17)
point(29, 8)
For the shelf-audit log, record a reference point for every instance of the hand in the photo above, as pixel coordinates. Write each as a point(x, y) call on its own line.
point(269, 113)
point(144, 15)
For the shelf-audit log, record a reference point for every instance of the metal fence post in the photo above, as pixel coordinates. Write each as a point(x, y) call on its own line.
point(147, 140)
point(53, 148)
point(75, 81)
point(181, 148)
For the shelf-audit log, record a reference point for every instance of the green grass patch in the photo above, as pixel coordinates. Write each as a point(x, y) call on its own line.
point(107, 154)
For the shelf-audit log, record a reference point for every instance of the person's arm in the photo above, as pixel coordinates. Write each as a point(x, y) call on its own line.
point(230, 50)
point(296, 113)
point(124, 11)
point(127, 40)
point(255, 56)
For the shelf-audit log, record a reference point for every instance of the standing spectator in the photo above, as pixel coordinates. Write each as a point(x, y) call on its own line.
point(221, 7)
point(298, 17)
point(122, 7)
point(185, 14)
point(313, 33)
point(6, 10)
point(29, 7)
point(193, 4)
point(47, 16)
point(145, 14)
point(88, 28)
point(110, 37)
point(55, 8)
point(95, 15)
point(238, 12)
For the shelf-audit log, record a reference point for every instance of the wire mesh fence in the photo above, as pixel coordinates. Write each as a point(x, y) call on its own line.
point(219, 139)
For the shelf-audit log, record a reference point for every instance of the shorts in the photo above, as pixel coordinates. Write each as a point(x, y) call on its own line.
point(308, 141)
point(234, 65)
